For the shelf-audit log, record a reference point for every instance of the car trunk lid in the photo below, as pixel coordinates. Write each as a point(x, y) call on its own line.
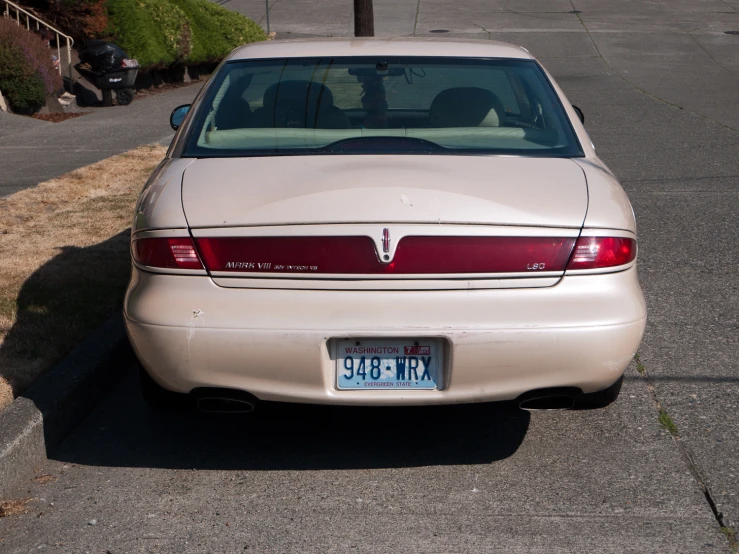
point(289, 190)
point(385, 221)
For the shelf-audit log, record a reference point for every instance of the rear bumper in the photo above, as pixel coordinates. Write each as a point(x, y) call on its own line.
point(189, 333)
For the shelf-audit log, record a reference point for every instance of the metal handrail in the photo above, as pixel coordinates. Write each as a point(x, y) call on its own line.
point(39, 23)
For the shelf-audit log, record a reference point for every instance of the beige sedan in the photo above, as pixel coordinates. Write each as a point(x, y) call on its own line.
point(383, 222)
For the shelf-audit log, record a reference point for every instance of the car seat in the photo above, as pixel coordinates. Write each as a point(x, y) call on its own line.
point(300, 104)
point(466, 107)
point(234, 111)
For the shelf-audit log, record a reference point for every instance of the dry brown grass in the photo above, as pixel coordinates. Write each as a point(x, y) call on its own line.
point(65, 264)
point(13, 507)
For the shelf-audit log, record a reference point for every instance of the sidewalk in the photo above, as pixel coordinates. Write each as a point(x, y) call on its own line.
point(32, 151)
point(11, 124)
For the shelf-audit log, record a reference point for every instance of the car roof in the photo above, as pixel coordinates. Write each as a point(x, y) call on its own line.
point(309, 48)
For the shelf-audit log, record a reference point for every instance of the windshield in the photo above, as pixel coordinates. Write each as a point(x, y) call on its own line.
point(356, 105)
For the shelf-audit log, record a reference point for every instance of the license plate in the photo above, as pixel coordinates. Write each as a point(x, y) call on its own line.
point(388, 364)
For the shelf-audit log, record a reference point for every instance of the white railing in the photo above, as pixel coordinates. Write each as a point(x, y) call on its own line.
point(15, 12)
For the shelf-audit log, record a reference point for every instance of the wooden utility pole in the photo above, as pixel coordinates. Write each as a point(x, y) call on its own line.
point(364, 19)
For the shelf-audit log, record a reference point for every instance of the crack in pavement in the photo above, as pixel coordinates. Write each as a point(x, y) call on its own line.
point(690, 34)
point(418, 13)
point(636, 87)
point(729, 6)
point(685, 453)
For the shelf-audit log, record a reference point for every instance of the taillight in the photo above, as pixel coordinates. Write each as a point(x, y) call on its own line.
point(600, 252)
point(482, 254)
point(414, 255)
point(167, 253)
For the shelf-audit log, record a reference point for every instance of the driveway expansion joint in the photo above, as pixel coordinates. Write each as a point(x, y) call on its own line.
point(695, 472)
point(646, 93)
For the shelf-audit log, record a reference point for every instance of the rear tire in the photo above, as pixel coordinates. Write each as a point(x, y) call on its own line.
point(124, 96)
point(160, 399)
point(599, 399)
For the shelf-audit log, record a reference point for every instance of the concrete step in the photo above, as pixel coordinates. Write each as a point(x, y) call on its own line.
point(87, 93)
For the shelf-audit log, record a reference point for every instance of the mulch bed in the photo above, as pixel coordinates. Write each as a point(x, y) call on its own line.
point(58, 117)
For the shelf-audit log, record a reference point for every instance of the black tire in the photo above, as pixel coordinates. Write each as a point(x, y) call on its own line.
point(599, 399)
point(124, 96)
point(160, 399)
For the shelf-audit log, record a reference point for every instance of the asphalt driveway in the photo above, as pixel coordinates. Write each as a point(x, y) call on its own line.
point(657, 82)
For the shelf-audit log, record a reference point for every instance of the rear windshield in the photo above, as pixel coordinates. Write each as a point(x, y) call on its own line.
point(359, 105)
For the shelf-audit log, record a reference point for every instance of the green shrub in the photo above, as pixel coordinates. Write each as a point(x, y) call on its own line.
point(206, 40)
point(27, 74)
point(217, 31)
point(152, 31)
point(159, 33)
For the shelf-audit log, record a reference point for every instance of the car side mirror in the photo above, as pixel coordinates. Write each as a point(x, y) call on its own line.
point(580, 115)
point(178, 116)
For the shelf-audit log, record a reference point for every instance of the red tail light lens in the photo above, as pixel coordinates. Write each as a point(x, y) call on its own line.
point(167, 253)
point(357, 255)
point(289, 254)
point(600, 252)
point(482, 254)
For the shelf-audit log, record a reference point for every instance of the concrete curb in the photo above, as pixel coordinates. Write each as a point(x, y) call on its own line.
point(36, 422)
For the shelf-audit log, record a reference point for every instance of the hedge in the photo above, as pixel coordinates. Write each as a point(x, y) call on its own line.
point(160, 33)
point(27, 74)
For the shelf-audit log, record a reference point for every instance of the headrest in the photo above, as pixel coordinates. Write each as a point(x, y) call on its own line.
point(466, 107)
point(300, 93)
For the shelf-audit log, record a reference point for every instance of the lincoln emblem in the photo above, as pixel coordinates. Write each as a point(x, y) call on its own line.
point(385, 240)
